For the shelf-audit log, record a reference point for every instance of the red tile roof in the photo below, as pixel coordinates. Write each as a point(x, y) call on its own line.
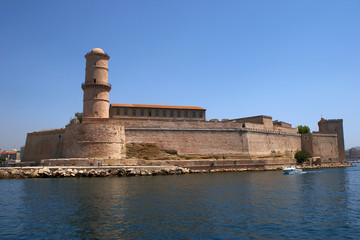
point(155, 106)
point(8, 152)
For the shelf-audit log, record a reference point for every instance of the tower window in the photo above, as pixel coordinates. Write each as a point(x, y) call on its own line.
point(178, 114)
point(117, 112)
point(200, 114)
point(164, 113)
point(94, 80)
point(134, 112)
point(142, 112)
point(149, 113)
point(171, 114)
point(186, 114)
point(157, 113)
point(125, 112)
point(194, 114)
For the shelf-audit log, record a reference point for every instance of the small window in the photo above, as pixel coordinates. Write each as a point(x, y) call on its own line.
point(149, 113)
point(172, 114)
point(193, 114)
point(178, 114)
point(134, 112)
point(200, 114)
point(164, 113)
point(142, 112)
point(94, 80)
point(157, 113)
point(118, 112)
point(125, 112)
point(186, 114)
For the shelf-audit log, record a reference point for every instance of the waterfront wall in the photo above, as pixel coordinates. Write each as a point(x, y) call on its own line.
point(108, 138)
point(227, 138)
point(94, 141)
point(273, 143)
point(44, 144)
point(323, 146)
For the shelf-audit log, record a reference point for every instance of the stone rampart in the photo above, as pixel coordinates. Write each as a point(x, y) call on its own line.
point(193, 124)
point(324, 146)
point(191, 141)
point(263, 143)
point(89, 140)
point(228, 138)
point(44, 144)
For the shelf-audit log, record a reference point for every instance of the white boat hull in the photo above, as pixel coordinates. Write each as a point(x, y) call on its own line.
point(292, 170)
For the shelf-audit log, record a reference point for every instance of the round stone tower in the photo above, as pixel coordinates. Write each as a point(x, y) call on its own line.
point(96, 87)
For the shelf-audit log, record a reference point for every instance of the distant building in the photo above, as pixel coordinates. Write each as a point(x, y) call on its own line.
point(22, 148)
point(353, 154)
point(10, 155)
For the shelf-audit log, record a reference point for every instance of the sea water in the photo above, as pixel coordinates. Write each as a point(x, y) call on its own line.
point(320, 204)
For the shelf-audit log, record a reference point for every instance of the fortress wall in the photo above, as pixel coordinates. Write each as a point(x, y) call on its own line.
point(192, 124)
point(187, 141)
point(307, 144)
point(262, 143)
point(334, 126)
point(44, 144)
point(94, 141)
point(210, 138)
point(165, 123)
point(324, 146)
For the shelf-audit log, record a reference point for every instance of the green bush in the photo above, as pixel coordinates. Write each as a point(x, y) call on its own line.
point(303, 129)
point(79, 116)
point(301, 157)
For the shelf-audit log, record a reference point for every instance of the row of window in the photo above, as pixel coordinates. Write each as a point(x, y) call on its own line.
point(157, 113)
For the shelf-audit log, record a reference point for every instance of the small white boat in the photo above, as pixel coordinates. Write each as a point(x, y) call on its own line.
point(291, 170)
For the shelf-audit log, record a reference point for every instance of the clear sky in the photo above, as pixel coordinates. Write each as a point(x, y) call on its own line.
point(296, 61)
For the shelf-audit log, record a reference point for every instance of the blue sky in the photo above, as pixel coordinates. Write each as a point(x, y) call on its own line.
point(293, 60)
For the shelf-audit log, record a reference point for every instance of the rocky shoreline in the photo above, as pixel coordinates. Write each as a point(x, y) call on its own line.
point(121, 171)
point(64, 172)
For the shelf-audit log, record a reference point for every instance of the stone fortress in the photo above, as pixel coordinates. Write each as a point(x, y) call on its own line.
point(135, 134)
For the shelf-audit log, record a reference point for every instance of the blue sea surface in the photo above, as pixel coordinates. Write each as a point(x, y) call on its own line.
point(321, 204)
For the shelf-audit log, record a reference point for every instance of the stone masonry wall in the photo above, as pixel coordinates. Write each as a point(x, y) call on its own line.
point(94, 141)
point(210, 138)
point(265, 144)
point(192, 141)
point(321, 145)
point(44, 144)
point(334, 126)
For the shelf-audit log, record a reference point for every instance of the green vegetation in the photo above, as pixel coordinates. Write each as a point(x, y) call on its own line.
point(303, 129)
point(79, 116)
point(301, 157)
point(2, 159)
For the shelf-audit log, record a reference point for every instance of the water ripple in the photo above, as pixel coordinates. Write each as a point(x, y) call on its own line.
point(321, 204)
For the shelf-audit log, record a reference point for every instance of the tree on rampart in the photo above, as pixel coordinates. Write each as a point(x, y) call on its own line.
point(303, 129)
point(301, 157)
point(77, 118)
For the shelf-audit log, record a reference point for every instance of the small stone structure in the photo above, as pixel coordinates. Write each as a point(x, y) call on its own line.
point(125, 132)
